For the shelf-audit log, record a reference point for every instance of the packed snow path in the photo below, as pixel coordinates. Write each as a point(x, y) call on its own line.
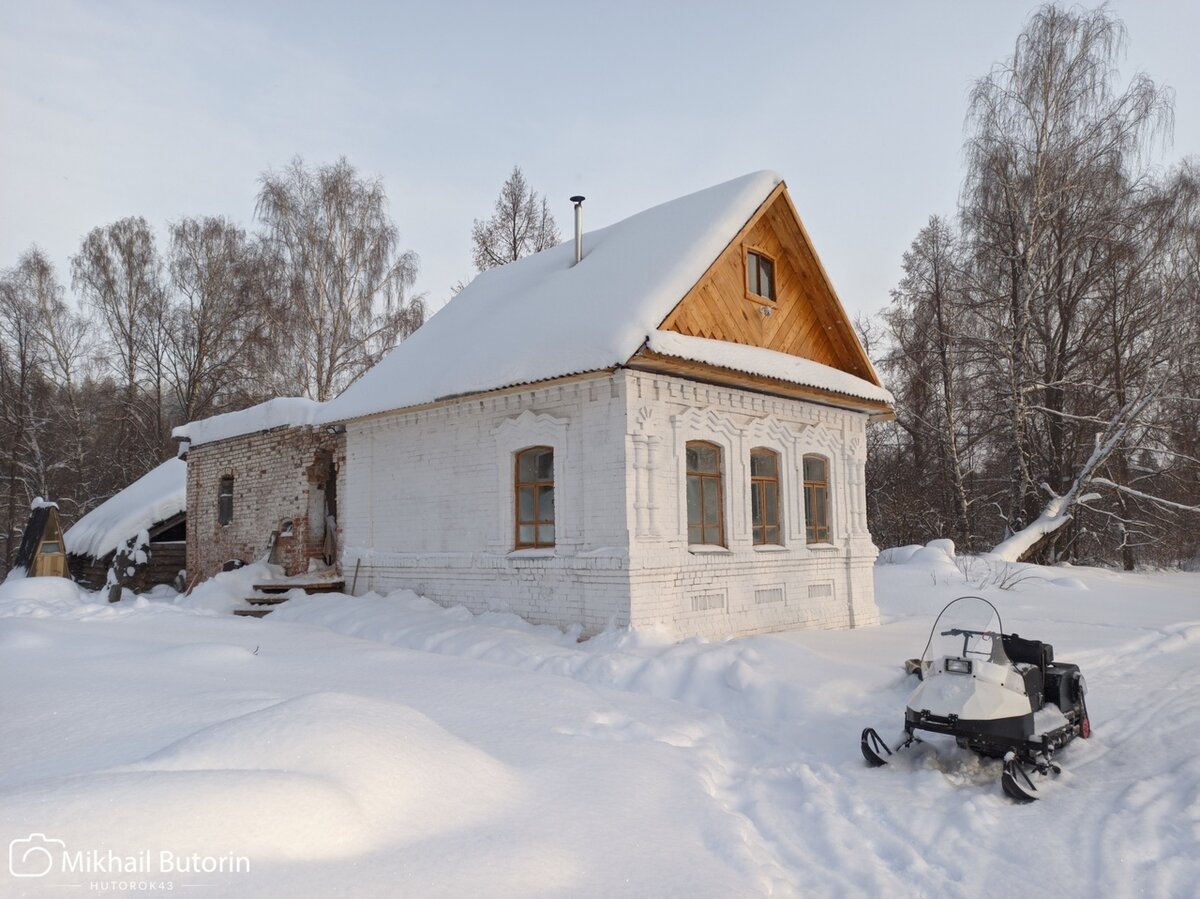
point(387, 746)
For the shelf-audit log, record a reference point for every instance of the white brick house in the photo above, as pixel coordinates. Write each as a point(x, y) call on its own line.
point(668, 432)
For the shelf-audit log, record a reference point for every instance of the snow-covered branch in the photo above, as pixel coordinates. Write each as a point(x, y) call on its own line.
point(1105, 482)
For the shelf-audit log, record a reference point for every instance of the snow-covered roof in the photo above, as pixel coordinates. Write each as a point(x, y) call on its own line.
point(544, 316)
point(155, 496)
point(284, 411)
point(769, 363)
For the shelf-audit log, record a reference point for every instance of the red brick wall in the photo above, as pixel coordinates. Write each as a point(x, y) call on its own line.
point(276, 477)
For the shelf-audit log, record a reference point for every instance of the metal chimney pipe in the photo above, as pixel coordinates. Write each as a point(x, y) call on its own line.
point(578, 201)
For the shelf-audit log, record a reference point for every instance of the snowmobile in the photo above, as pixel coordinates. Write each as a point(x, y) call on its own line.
point(998, 694)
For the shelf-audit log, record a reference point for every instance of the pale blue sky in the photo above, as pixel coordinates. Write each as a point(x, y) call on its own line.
point(166, 109)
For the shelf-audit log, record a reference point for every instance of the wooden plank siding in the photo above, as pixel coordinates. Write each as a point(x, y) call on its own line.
point(806, 318)
point(165, 562)
point(167, 557)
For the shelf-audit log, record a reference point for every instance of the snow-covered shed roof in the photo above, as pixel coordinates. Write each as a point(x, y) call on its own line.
point(544, 316)
point(284, 411)
point(156, 496)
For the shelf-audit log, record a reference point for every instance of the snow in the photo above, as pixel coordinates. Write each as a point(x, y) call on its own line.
point(544, 316)
point(945, 544)
point(382, 746)
point(39, 503)
point(41, 596)
point(1017, 544)
point(1048, 718)
point(154, 497)
point(228, 590)
point(768, 363)
point(284, 411)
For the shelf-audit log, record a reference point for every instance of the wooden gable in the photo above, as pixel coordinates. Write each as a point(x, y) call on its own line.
point(805, 319)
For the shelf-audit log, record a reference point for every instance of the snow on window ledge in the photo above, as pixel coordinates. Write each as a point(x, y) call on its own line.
point(704, 549)
point(770, 548)
point(822, 547)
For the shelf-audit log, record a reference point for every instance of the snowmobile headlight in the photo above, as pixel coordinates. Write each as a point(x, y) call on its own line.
point(958, 666)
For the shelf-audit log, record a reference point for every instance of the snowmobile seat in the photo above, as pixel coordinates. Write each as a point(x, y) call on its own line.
point(1028, 652)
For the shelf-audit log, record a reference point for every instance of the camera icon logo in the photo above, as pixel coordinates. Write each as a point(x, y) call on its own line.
point(33, 856)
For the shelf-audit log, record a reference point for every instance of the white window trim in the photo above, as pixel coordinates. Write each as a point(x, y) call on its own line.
point(710, 426)
point(785, 516)
point(511, 436)
point(821, 441)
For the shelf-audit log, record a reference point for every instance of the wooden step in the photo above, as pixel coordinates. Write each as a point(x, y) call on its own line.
point(327, 587)
point(273, 593)
point(273, 600)
point(276, 587)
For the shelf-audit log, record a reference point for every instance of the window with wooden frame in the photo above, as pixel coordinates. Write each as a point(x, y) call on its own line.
point(705, 518)
point(760, 275)
point(764, 496)
point(534, 495)
point(225, 501)
point(816, 498)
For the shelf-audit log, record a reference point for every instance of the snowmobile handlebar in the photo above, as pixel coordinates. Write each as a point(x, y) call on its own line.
point(980, 652)
point(962, 632)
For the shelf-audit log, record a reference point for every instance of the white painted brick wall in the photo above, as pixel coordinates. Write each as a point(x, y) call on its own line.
point(427, 504)
point(665, 413)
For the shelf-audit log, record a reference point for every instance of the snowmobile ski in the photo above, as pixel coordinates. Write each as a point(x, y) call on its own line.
point(873, 747)
point(876, 751)
point(1016, 782)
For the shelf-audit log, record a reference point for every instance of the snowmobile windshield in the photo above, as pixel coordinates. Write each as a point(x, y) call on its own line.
point(968, 628)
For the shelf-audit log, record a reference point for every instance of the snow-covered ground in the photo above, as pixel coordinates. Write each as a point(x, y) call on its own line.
point(385, 746)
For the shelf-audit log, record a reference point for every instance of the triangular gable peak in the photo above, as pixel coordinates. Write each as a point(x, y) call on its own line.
point(804, 319)
point(42, 551)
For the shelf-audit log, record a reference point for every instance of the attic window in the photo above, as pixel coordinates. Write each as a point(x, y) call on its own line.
point(760, 275)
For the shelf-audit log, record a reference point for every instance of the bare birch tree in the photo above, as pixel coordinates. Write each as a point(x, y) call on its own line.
point(1049, 133)
point(67, 343)
point(346, 282)
point(118, 273)
point(223, 305)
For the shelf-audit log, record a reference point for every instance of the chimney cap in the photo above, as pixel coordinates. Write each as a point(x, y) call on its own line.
point(578, 199)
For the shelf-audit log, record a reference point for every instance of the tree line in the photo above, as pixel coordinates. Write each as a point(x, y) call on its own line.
point(1043, 344)
point(216, 318)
